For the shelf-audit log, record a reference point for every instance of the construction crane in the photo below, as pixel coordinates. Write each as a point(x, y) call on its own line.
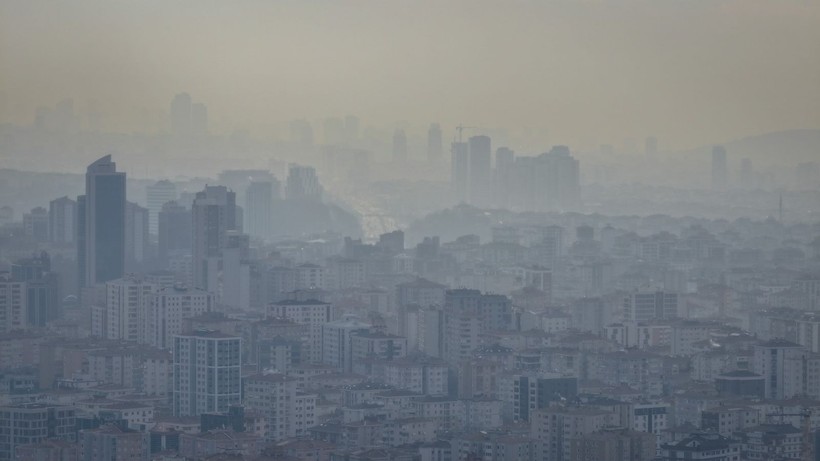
point(807, 447)
point(460, 128)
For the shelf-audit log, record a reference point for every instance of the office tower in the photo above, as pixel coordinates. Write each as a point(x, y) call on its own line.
point(62, 220)
point(468, 315)
point(13, 304)
point(651, 146)
point(137, 241)
point(303, 184)
point(167, 308)
point(336, 346)
point(35, 224)
point(301, 134)
point(112, 442)
point(214, 214)
point(480, 178)
point(720, 170)
point(199, 119)
point(504, 164)
point(563, 178)
point(126, 302)
point(157, 195)
point(29, 423)
point(207, 373)
point(460, 170)
point(181, 114)
point(236, 272)
point(174, 231)
point(399, 146)
point(435, 147)
point(259, 208)
point(101, 224)
point(42, 289)
point(642, 306)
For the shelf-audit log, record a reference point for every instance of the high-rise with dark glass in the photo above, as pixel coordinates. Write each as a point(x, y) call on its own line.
point(101, 224)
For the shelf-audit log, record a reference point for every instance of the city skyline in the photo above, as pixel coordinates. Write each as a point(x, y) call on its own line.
point(704, 82)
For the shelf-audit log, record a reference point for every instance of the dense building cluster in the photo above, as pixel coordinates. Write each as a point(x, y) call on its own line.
point(180, 330)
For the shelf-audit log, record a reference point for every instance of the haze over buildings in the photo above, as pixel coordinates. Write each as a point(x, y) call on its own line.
point(459, 231)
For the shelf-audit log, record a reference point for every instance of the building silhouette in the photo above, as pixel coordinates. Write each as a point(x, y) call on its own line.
point(434, 143)
point(720, 170)
point(480, 176)
point(214, 214)
point(157, 195)
point(101, 228)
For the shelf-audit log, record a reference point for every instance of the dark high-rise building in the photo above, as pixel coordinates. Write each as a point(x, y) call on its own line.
point(62, 220)
point(259, 207)
point(504, 163)
point(42, 288)
point(720, 169)
point(480, 182)
point(399, 146)
point(460, 170)
point(174, 234)
point(214, 214)
point(101, 233)
point(434, 144)
point(137, 243)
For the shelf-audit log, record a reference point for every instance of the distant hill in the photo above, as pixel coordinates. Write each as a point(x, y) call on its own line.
point(778, 148)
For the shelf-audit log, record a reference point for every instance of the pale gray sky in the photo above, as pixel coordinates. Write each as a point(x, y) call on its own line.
point(689, 72)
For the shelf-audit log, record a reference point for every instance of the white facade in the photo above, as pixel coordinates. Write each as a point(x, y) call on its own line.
point(207, 370)
point(166, 310)
point(126, 302)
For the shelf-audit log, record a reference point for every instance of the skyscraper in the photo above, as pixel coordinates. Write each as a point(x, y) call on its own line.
point(62, 220)
point(174, 230)
point(42, 288)
point(303, 184)
point(480, 170)
point(399, 146)
point(504, 163)
point(258, 207)
point(158, 195)
point(101, 232)
point(207, 373)
point(460, 170)
point(13, 304)
point(214, 214)
point(137, 242)
point(720, 170)
point(434, 144)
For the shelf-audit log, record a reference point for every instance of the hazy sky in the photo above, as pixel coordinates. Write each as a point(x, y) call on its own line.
point(689, 72)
